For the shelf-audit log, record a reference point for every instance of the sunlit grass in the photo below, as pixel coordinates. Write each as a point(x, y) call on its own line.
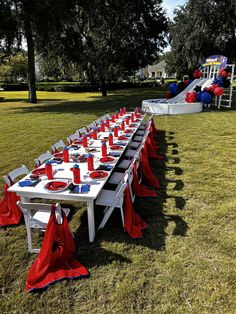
point(185, 262)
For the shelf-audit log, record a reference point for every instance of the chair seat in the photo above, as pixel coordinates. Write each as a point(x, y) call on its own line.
point(106, 198)
point(138, 139)
point(140, 132)
point(130, 153)
point(116, 177)
point(124, 164)
point(134, 144)
point(41, 218)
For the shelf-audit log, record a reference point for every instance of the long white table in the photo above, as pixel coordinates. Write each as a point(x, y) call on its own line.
point(63, 172)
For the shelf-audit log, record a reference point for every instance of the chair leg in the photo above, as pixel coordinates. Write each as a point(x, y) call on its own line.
point(106, 217)
point(122, 216)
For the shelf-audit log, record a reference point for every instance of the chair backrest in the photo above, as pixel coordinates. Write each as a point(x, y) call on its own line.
point(81, 131)
point(72, 137)
point(58, 145)
point(42, 158)
point(11, 176)
point(28, 208)
point(90, 126)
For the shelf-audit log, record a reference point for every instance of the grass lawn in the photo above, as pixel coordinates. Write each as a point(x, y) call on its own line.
point(185, 262)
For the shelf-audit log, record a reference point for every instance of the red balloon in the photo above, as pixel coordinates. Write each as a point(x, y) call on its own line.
point(223, 73)
point(219, 91)
point(169, 95)
point(213, 87)
point(197, 74)
point(191, 97)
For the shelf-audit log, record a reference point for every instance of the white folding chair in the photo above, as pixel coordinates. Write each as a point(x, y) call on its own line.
point(36, 216)
point(81, 131)
point(58, 146)
point(42, 158)
point(11, 176)
point(112, 200)
point(90, 126)
point(72, 137)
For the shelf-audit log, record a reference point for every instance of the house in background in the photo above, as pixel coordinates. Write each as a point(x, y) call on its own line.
point(157, 71)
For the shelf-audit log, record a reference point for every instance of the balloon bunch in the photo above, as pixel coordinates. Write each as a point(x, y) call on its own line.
point(191, 97)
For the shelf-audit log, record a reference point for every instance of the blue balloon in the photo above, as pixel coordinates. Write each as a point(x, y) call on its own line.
point(218, 81)
point(199, 94)
point(173, 87)
point(206, 98)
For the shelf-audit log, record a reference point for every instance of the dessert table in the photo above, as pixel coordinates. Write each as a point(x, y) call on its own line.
point(62, 172)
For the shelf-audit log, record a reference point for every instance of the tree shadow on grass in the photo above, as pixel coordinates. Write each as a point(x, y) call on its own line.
point(95, 105)
point(152, 210)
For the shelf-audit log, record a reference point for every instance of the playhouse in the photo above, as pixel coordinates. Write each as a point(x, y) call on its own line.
point(215, 78)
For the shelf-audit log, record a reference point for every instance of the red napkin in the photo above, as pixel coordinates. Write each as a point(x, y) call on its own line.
point(116, 147)
point(98, 174)
point(140, 189)
point(133, 223)
point(10, 213)
point(55, 185)
point(38, 171)
point(147, 171)
point(107, 159)
point(55, 260)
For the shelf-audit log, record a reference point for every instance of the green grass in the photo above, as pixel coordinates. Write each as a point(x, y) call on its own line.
point(185, 262)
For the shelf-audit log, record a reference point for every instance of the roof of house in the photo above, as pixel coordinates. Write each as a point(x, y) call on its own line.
point(157, 67)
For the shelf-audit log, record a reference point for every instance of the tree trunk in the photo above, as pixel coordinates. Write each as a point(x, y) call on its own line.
point(103, 87)
point(31, 57)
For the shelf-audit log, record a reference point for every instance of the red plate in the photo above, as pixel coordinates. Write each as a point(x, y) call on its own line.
point(58, 154)
point(38, 171)
point(98, 174)
point(56, 186)
point(116, 147)
point(107, 159)
point(122, 137)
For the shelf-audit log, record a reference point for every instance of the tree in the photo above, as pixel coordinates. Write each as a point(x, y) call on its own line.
point(104, 36)
point(202, 28)
point(13, 68)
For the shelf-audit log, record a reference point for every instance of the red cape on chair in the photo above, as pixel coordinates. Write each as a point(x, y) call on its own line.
point(150, 150)
point(153, 128)
point(55, 260)
point(133, 223)
point(140, 189)
point(10, 213)
point(147, 172)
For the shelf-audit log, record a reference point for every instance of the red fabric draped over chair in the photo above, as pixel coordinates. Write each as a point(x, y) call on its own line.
point(140, 189)
point(147, 171)
point(55, 260)
point(133, 223)
point(10, 213)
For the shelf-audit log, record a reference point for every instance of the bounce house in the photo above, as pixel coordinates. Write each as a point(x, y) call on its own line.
point(212, 85)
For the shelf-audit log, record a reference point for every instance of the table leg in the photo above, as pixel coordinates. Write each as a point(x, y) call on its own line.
point(91, 221)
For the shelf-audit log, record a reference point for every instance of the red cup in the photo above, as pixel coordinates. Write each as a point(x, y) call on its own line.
point(104, 149)
point(116, 131)
point(90, 162)
point(48, 170)
point(122, 125)
point(110, 139)
point(85, 141)
point(76, 174)
point(95, 134)
point(65, 154)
